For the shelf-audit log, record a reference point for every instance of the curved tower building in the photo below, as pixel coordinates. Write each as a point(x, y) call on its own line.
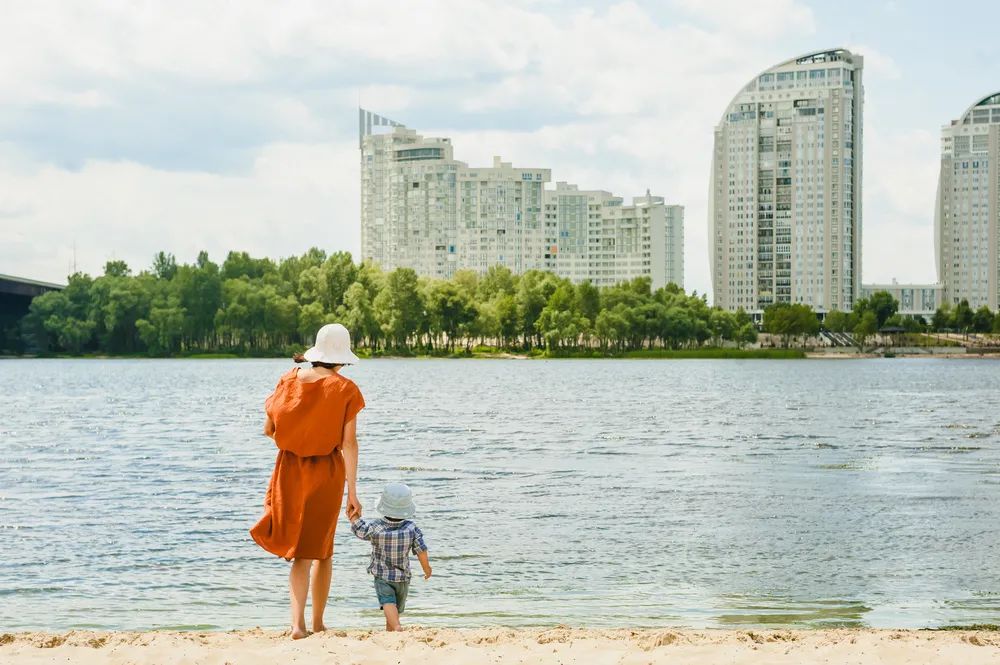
point(967, 219)
point(785, 195)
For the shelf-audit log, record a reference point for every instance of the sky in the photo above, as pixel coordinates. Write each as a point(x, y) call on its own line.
point(127, 128)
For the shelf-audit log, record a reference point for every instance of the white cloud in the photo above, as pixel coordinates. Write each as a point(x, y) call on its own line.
point(296, 196)
point(900, 184)
point(763, 19)
point(626, 94)
point(877, 63)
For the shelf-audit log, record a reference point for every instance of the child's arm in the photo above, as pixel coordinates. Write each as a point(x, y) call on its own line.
point(419, 548)
point(361, 528)
point(425, 564)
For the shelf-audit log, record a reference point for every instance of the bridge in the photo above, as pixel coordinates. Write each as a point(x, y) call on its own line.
point(15, 297)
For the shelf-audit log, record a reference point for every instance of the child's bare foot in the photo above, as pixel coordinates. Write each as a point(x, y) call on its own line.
point(318, 628)
point(299, 633)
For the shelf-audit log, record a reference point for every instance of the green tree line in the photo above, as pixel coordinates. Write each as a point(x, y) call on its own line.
point(257, 306)
point(870, 315)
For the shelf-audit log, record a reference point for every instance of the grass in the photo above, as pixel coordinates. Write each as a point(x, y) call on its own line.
point(926, 339)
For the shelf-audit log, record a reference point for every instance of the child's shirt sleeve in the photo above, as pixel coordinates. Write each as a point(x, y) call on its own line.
point(418, 544)
point(361, 528)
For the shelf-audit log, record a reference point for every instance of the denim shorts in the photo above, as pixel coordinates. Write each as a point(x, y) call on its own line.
point(391, 593)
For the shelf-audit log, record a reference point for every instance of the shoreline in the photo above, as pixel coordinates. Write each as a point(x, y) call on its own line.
point(547, 645)
point(727, 354)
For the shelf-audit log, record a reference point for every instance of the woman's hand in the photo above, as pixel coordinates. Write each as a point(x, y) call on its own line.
point(353, 506)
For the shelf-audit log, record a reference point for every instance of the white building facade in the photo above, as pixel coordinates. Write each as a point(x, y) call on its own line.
point(967, 219)
point(914, 299)
point(785, 190)
point(422, 209)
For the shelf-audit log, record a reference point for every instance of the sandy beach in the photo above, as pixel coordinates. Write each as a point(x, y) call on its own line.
point(555, 645)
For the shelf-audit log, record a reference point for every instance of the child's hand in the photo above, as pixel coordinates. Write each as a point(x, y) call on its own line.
point(427, 575)
point(352, 512)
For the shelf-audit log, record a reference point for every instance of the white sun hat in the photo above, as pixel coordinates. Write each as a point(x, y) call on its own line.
point(333, 345)
point(397, 502)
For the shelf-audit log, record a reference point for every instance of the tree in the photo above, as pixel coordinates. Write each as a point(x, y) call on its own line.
point(677, 326)
point(199, 289)
point(942, 318)
point(866, 328)
point(400, 308)
point(962, 317)
point(241, 264)
point(531, 299)
point(312, 317)
point(451, 309)
point(559, 323)
point(746, 331)
point(588, 300)
point(340, 274)
point(116, 269)
point(162, 329)
point(982, 320)
point(358, 315)
point(790, 320)
point(313, 287)
point(257, 306)
point(838, 321)
point(498, 280)
point(883, 305)
point(722, 325)
point(164, 266)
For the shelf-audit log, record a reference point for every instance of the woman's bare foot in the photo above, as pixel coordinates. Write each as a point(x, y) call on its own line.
point(318, 628)
point(299, 633)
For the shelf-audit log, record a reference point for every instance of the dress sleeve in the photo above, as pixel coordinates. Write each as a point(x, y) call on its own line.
point(355, 402)
point(268, 403)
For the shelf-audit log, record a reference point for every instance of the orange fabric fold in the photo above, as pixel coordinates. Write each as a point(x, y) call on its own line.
point(304, 496)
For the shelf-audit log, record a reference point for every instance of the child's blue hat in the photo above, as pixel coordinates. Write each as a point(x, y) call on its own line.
point(397, 502)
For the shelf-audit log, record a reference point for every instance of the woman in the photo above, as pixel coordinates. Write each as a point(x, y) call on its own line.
point(311, 417)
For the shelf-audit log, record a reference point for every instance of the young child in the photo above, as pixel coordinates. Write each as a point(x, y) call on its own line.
point(393, 537)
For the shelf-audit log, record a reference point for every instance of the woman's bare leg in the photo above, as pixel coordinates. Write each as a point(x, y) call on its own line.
point(322, 574)
point(298, 590)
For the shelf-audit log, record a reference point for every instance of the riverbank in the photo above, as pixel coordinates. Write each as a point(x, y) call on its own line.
point(500, 645)
point(482, 353)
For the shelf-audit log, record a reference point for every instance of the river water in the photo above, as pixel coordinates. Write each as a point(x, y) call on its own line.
point(590, 493)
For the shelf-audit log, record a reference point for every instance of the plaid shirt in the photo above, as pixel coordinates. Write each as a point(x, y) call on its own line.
point(392, 543)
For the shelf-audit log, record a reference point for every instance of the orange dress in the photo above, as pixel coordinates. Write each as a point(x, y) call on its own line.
point(307, 487)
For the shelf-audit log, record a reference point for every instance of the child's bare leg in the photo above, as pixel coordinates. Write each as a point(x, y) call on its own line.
point(391, 617)
point(322, 574)
point(298, 590)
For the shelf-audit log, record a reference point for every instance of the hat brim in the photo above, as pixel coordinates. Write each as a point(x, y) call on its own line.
point(407, 511)
point(314, 355)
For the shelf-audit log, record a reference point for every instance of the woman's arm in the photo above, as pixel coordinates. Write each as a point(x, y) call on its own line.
point(350, 446)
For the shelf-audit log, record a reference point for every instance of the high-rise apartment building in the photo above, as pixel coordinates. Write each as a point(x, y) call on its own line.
point(422, 209)
point(967, 219)
point(785, 192)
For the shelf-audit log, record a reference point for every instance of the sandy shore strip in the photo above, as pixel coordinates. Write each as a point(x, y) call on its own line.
point(497, 645)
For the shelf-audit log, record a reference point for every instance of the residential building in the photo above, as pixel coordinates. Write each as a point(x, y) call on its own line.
point(598, 237)
point(425, 210)
point(914, 299)
point(967, 219)
point(785, 191)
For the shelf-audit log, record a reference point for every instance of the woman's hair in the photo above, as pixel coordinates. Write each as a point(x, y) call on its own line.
point(299, 358)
